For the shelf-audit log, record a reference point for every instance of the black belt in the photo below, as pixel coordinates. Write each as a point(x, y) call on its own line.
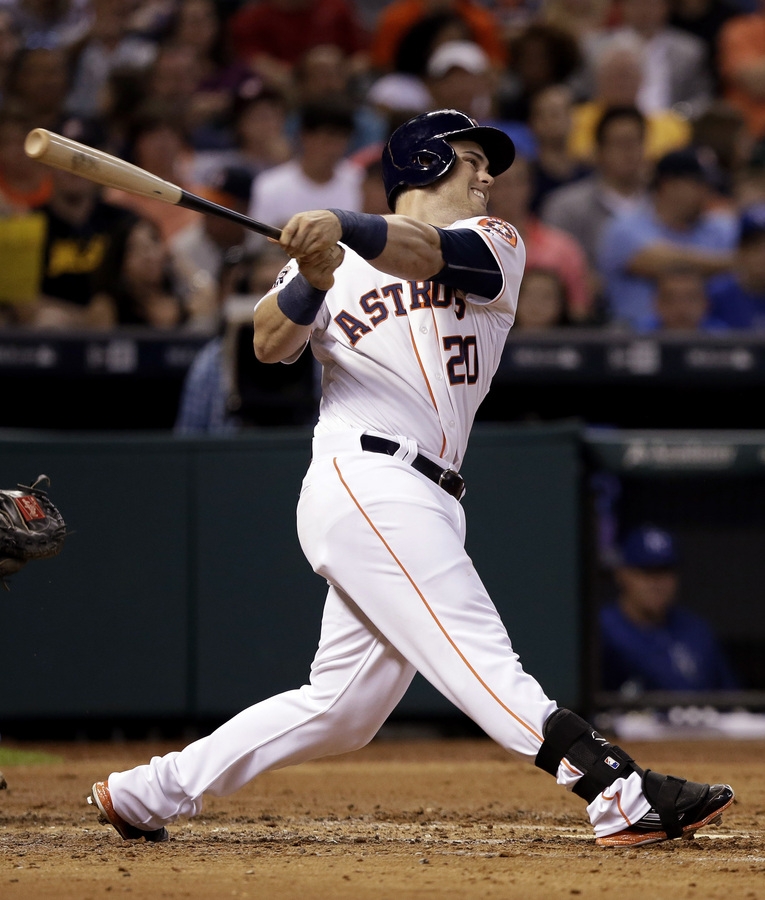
point(452, 482)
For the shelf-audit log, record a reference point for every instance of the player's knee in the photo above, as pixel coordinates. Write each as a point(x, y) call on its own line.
point(567, 735)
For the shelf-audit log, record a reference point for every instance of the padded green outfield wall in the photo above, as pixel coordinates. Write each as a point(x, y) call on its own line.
point(182, 590)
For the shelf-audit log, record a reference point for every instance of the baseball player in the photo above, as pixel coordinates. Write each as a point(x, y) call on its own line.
point(408, 316)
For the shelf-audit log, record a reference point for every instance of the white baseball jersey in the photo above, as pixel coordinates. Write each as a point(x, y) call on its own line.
point(413, 358)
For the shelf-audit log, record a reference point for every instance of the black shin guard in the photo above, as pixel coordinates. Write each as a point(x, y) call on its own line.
point(568, 735)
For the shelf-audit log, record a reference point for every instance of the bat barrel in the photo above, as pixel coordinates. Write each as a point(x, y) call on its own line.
point(36, 143)
point(103, 168)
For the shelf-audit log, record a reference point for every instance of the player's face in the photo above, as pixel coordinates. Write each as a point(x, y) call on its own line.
point(647, 594)
point(466, 187)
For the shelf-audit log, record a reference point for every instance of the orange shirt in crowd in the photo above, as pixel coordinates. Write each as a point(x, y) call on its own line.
point(397, 18)
point(741, 42)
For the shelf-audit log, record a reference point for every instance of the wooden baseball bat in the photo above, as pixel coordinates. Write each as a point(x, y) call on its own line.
point(103, 168)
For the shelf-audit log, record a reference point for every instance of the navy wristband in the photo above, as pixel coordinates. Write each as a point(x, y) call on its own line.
point(300, 301)
point(366, 233)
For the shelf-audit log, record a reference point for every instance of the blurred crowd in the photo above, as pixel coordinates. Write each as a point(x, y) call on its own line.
point(639, 185)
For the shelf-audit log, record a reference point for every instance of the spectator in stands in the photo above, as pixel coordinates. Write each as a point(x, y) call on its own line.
point(550, 122)
point(173, 80)
point(675, 228)
point(78, 228)
point(39, 81)
point(198, 26)
point(121, 99)
point(206, 404)
point(542, 301)
point(400, 92)
point(373, 195)
point(741, 57)
point(397, 20)
point(426, 35)
point(546, 247)
point(738, 296)
point(648, 641)
point(10, 43)
point(682, 304)
point(60, 23)
point(319, 177)
point(618, 185)
point(201, 24)
point(617, 74)
point(459, 75)
point(259, 138)
point(325, 72)
point(136, 283)
point(157, 142)
point(109, 45)
point(586, 20)
point(199, 249)
point(24, 182)
point(749, 180)
point(675, 73)
point(270, 36)
point(721, 129)
point(540, 56)
point(704, 19)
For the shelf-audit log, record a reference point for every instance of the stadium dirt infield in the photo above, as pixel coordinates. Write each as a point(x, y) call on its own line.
point(398, 819)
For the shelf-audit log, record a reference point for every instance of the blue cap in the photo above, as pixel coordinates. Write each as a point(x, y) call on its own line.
point(687, 162)
point(752, 221)
point(649, 547)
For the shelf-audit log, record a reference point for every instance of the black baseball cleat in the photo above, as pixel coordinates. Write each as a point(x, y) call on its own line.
point(102, 800)
point(678, 809)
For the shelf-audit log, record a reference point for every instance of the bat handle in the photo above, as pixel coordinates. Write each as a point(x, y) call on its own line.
point(201, 205)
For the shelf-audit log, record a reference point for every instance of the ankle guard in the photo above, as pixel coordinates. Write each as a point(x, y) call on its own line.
point(567, 735)
point(672, 798)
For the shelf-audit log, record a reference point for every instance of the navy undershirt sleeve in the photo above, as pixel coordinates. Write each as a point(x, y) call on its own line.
point(470, 266)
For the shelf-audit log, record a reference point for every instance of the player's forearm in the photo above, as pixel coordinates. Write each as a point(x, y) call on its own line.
point(398, 245)
point(412, 249)
point(275, 336)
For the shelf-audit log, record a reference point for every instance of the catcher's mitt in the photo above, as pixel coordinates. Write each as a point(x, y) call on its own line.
point(30, 527)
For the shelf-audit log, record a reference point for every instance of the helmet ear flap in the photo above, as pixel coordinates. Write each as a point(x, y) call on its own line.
point(416, 166)
point(425, 159)
point(433, 159)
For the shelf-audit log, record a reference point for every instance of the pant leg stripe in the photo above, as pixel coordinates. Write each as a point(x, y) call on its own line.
point(430, 610)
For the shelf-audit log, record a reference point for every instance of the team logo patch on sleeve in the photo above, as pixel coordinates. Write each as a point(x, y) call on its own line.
point(280, 277)
point(500, 228)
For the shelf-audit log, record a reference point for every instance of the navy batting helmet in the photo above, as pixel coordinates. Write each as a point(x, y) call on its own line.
point(419, 153)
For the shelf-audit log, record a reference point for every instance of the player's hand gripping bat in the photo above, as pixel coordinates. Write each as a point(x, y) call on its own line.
point(110, 171)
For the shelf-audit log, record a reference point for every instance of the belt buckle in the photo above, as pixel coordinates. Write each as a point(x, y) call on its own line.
point(452, 482)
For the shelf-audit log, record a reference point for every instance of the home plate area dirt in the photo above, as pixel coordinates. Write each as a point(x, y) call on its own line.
point(399, 819)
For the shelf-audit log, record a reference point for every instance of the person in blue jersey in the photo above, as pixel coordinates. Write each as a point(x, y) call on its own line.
point(649, 642)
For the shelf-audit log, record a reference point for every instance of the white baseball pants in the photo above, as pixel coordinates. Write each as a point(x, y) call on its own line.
point(403, 597)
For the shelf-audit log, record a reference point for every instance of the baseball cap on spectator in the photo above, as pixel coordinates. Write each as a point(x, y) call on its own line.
point(685, 163)
point(649, 547)
point(400, 92)
point(230, 187)
point(335, 113)
point(752, 222)
point(465, 55)
point(253, 89)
